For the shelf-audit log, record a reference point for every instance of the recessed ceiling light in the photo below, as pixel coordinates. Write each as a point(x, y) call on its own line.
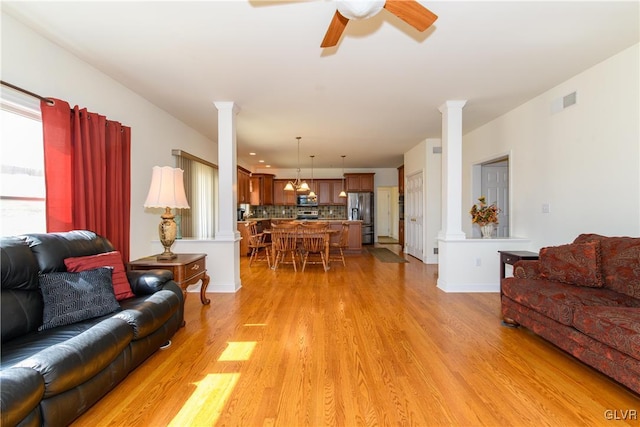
point(252, 154)
point(260, 161)
point(267, 166)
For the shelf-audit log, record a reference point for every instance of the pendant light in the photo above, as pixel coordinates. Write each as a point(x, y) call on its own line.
point(312, 193)
point(297, 185)
point(342, 193)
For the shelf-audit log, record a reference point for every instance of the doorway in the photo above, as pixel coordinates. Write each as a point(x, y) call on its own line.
point(414, 216)
point(383, 212)
point(493, 177)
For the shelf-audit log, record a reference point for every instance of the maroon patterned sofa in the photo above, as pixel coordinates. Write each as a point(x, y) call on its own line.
point(583, 297)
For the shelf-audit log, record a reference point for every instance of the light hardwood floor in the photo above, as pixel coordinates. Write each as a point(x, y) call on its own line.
point(369, 344)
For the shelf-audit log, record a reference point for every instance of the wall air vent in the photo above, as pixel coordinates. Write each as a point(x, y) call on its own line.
point(569, 100)
point(437, 150)
point(566, 101)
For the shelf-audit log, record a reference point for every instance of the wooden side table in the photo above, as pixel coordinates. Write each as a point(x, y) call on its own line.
point(511, 257)
point(187, 269)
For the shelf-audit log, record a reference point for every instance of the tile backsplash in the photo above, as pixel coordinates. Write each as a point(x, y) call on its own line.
point(324, 212)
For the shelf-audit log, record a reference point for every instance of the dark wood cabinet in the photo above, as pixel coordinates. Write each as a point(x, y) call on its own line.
point(338, 186)
point(280, 196)
point(359, 182)
point(355, 234)
point(401, 180)
point(244, 185)
point(401, 232)
point(328, 192)
point(262, 189)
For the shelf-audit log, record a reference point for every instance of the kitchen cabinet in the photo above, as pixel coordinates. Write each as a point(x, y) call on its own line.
point(244, 242)
point(328, 192)
point(261, 189)
point(359, 182)
point(355, 234)
point(280, 196)
point(401, 180)
point(244, 185)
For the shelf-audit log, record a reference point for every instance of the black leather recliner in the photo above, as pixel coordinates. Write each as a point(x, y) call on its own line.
point(50, 377)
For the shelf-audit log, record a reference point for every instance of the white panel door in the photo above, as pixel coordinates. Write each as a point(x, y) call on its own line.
point(413, 216)
point(495, 186)
point(383, 212)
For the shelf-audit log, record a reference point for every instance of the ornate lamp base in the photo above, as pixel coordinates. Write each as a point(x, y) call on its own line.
point(168, 230)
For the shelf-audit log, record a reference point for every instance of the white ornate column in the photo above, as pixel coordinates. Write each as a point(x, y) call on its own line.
point(452, 171)
point(227, 235)
point(227, 167)
point(451, 234)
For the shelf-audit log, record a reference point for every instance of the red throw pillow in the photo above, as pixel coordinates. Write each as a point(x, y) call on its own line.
point(576, 264)
point(121, 287)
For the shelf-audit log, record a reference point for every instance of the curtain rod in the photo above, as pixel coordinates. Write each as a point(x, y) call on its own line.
point(35, 95)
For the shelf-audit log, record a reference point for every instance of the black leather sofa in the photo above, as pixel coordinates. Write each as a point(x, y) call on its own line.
point(49, 377)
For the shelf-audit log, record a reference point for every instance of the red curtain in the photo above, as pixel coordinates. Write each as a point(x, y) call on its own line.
point(87, 161)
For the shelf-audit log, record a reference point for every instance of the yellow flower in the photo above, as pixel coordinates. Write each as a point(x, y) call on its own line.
point(483, 214)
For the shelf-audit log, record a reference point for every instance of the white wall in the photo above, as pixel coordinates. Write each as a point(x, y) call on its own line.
point(36, 64)
point(584, 161)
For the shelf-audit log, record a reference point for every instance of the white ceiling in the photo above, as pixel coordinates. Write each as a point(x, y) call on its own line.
point(371, 98)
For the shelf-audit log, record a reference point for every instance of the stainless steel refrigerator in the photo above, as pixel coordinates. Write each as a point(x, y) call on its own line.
point(360, 207)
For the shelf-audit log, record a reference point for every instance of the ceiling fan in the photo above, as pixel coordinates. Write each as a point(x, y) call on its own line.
point(410, 11)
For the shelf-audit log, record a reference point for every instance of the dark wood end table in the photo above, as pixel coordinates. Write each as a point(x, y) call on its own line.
point(187, 269)
point(511, 257)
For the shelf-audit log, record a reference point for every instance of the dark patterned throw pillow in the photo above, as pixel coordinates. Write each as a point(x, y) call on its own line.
point(73, 297)
point(575, 263)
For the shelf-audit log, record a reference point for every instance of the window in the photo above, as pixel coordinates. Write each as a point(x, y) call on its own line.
point(22, 187)
point(200, 182)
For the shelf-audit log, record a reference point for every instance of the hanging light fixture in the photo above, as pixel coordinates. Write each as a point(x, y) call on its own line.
point(297, 185)
point(312, 193)
point(342, 193)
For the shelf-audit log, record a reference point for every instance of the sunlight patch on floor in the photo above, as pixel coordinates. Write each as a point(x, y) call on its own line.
point(208, 400)
point(206, 403)
point(237, 351)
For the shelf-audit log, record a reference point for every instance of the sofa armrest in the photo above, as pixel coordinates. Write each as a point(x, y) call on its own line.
point(21, 392)
point(527, 269)
point(147, 282)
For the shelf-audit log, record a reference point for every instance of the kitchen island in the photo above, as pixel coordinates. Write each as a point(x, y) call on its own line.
point(355, 231)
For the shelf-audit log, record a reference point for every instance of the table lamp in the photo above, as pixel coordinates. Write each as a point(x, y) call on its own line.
point(167, 191)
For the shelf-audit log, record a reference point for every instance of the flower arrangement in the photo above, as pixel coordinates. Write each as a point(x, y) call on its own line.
point(483, 214)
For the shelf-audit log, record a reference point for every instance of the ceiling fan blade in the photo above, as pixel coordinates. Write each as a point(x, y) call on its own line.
point(334, 32)
point(412, 12)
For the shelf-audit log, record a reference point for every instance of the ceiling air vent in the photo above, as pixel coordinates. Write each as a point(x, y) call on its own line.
point(565, 102)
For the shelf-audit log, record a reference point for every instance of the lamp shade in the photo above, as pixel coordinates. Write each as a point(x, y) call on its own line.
point(167, 189)
point(359, 9)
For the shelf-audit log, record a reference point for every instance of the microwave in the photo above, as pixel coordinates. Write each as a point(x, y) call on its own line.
point(305, 200)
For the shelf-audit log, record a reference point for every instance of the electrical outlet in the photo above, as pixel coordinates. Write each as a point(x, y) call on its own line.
point(478, 262)
point(546, 208)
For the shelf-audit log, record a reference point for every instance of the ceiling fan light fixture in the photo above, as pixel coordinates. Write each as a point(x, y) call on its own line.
point(359, 9)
